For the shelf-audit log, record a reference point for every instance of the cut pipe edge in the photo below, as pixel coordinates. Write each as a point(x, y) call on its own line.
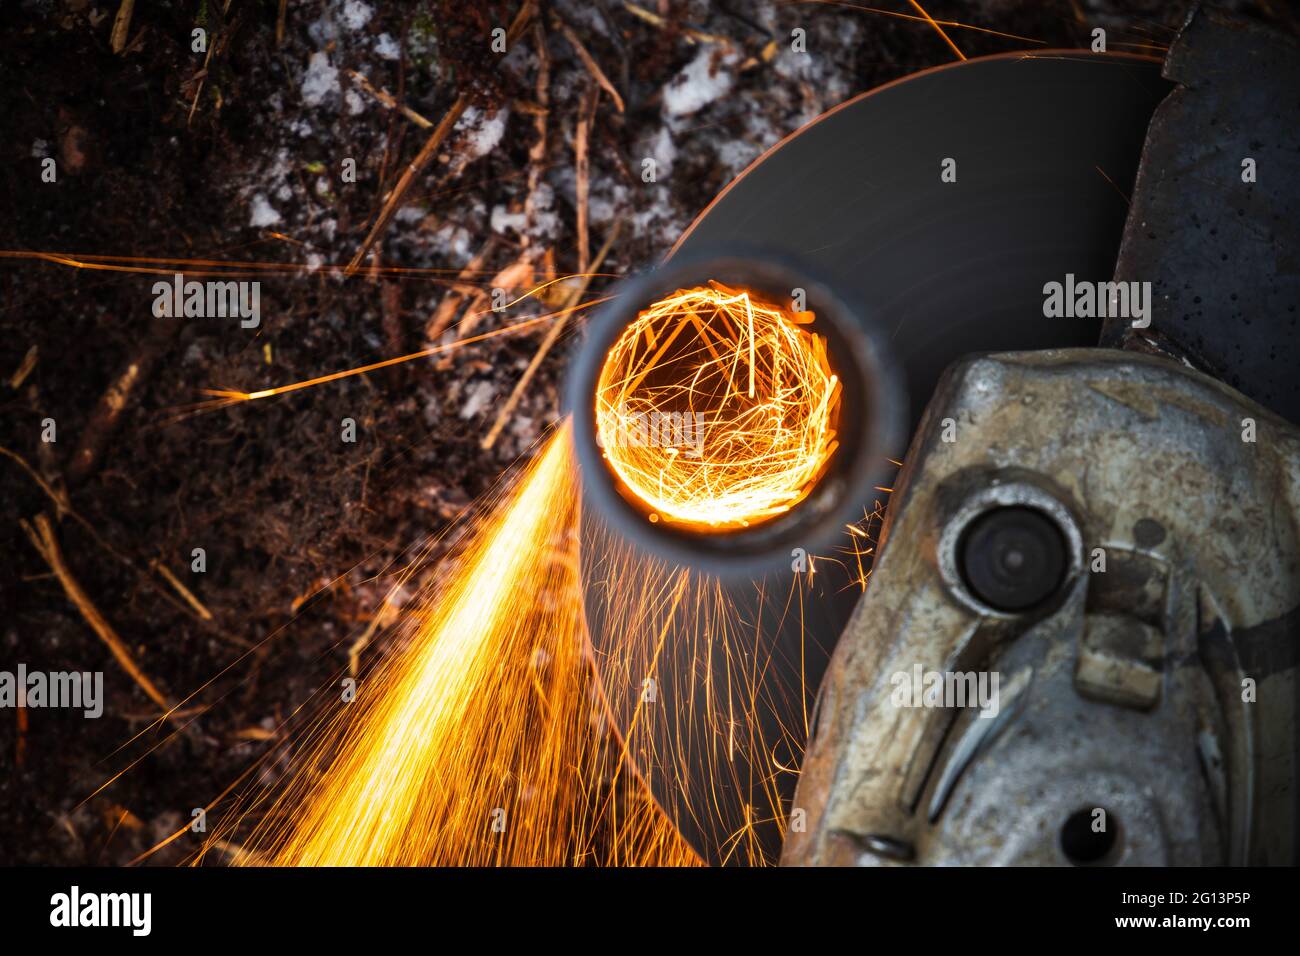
point(871, 425)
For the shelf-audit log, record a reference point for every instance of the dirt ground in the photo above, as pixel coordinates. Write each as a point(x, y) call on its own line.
point(236, 153)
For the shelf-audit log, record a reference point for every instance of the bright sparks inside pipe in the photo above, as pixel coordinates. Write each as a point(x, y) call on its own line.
point(717, 408)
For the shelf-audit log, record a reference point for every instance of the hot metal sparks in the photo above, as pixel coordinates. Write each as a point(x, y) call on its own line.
point(472, 743)
point(478, 741)
point(751, 397)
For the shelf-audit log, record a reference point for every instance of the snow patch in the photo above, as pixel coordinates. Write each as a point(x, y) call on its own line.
point(355, 14)
point(263, 213)
point(503, 220)
point(480, 395)
point(481, 133)
point(603, 207)
point(386, 47)
point(320, 80)
point(735, 155)
point(453, 242)
point(699, 83)
point(541, 206)
point(664, 152)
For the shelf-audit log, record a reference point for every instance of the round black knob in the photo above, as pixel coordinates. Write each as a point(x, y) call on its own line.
point(1012, 558)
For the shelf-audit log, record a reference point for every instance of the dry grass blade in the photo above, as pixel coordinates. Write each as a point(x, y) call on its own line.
point(590, 63)
point(387, 99)
point(47, 545)
point(199, 608)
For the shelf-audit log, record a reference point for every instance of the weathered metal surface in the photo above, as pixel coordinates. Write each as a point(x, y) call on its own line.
point(1222, 254)
point(1126, 692)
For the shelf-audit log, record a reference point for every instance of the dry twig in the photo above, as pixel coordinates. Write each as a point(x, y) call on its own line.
point(202, 77)
point(64, 506)
point(696, 36)
point(20, 374)
point(121, 26)
point(106, 418)
point(590, 63)
point(537, 152)
point(387, 99)
point(199, 608)
point(44, 541)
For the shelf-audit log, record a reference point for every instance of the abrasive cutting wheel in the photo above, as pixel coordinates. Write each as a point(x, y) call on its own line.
point(712, 680)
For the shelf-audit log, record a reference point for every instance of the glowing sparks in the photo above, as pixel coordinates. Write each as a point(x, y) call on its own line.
point(480, 741)
point(939, 29)
point(479, 738)
point(231, 397)
point(221, 397)
point(741, 448)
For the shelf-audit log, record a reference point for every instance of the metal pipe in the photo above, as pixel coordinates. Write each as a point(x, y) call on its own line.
point(871, 421)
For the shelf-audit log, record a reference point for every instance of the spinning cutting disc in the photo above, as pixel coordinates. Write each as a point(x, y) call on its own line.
point(711, 685)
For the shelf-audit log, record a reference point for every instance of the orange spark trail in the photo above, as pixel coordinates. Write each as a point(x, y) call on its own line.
point(478, 742)
point(161, 265)
point(482, 739)
point(930, 20)
point(925, 19)
point(231, 397)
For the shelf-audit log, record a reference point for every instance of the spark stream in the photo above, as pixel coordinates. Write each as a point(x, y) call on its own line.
point(479, 740)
